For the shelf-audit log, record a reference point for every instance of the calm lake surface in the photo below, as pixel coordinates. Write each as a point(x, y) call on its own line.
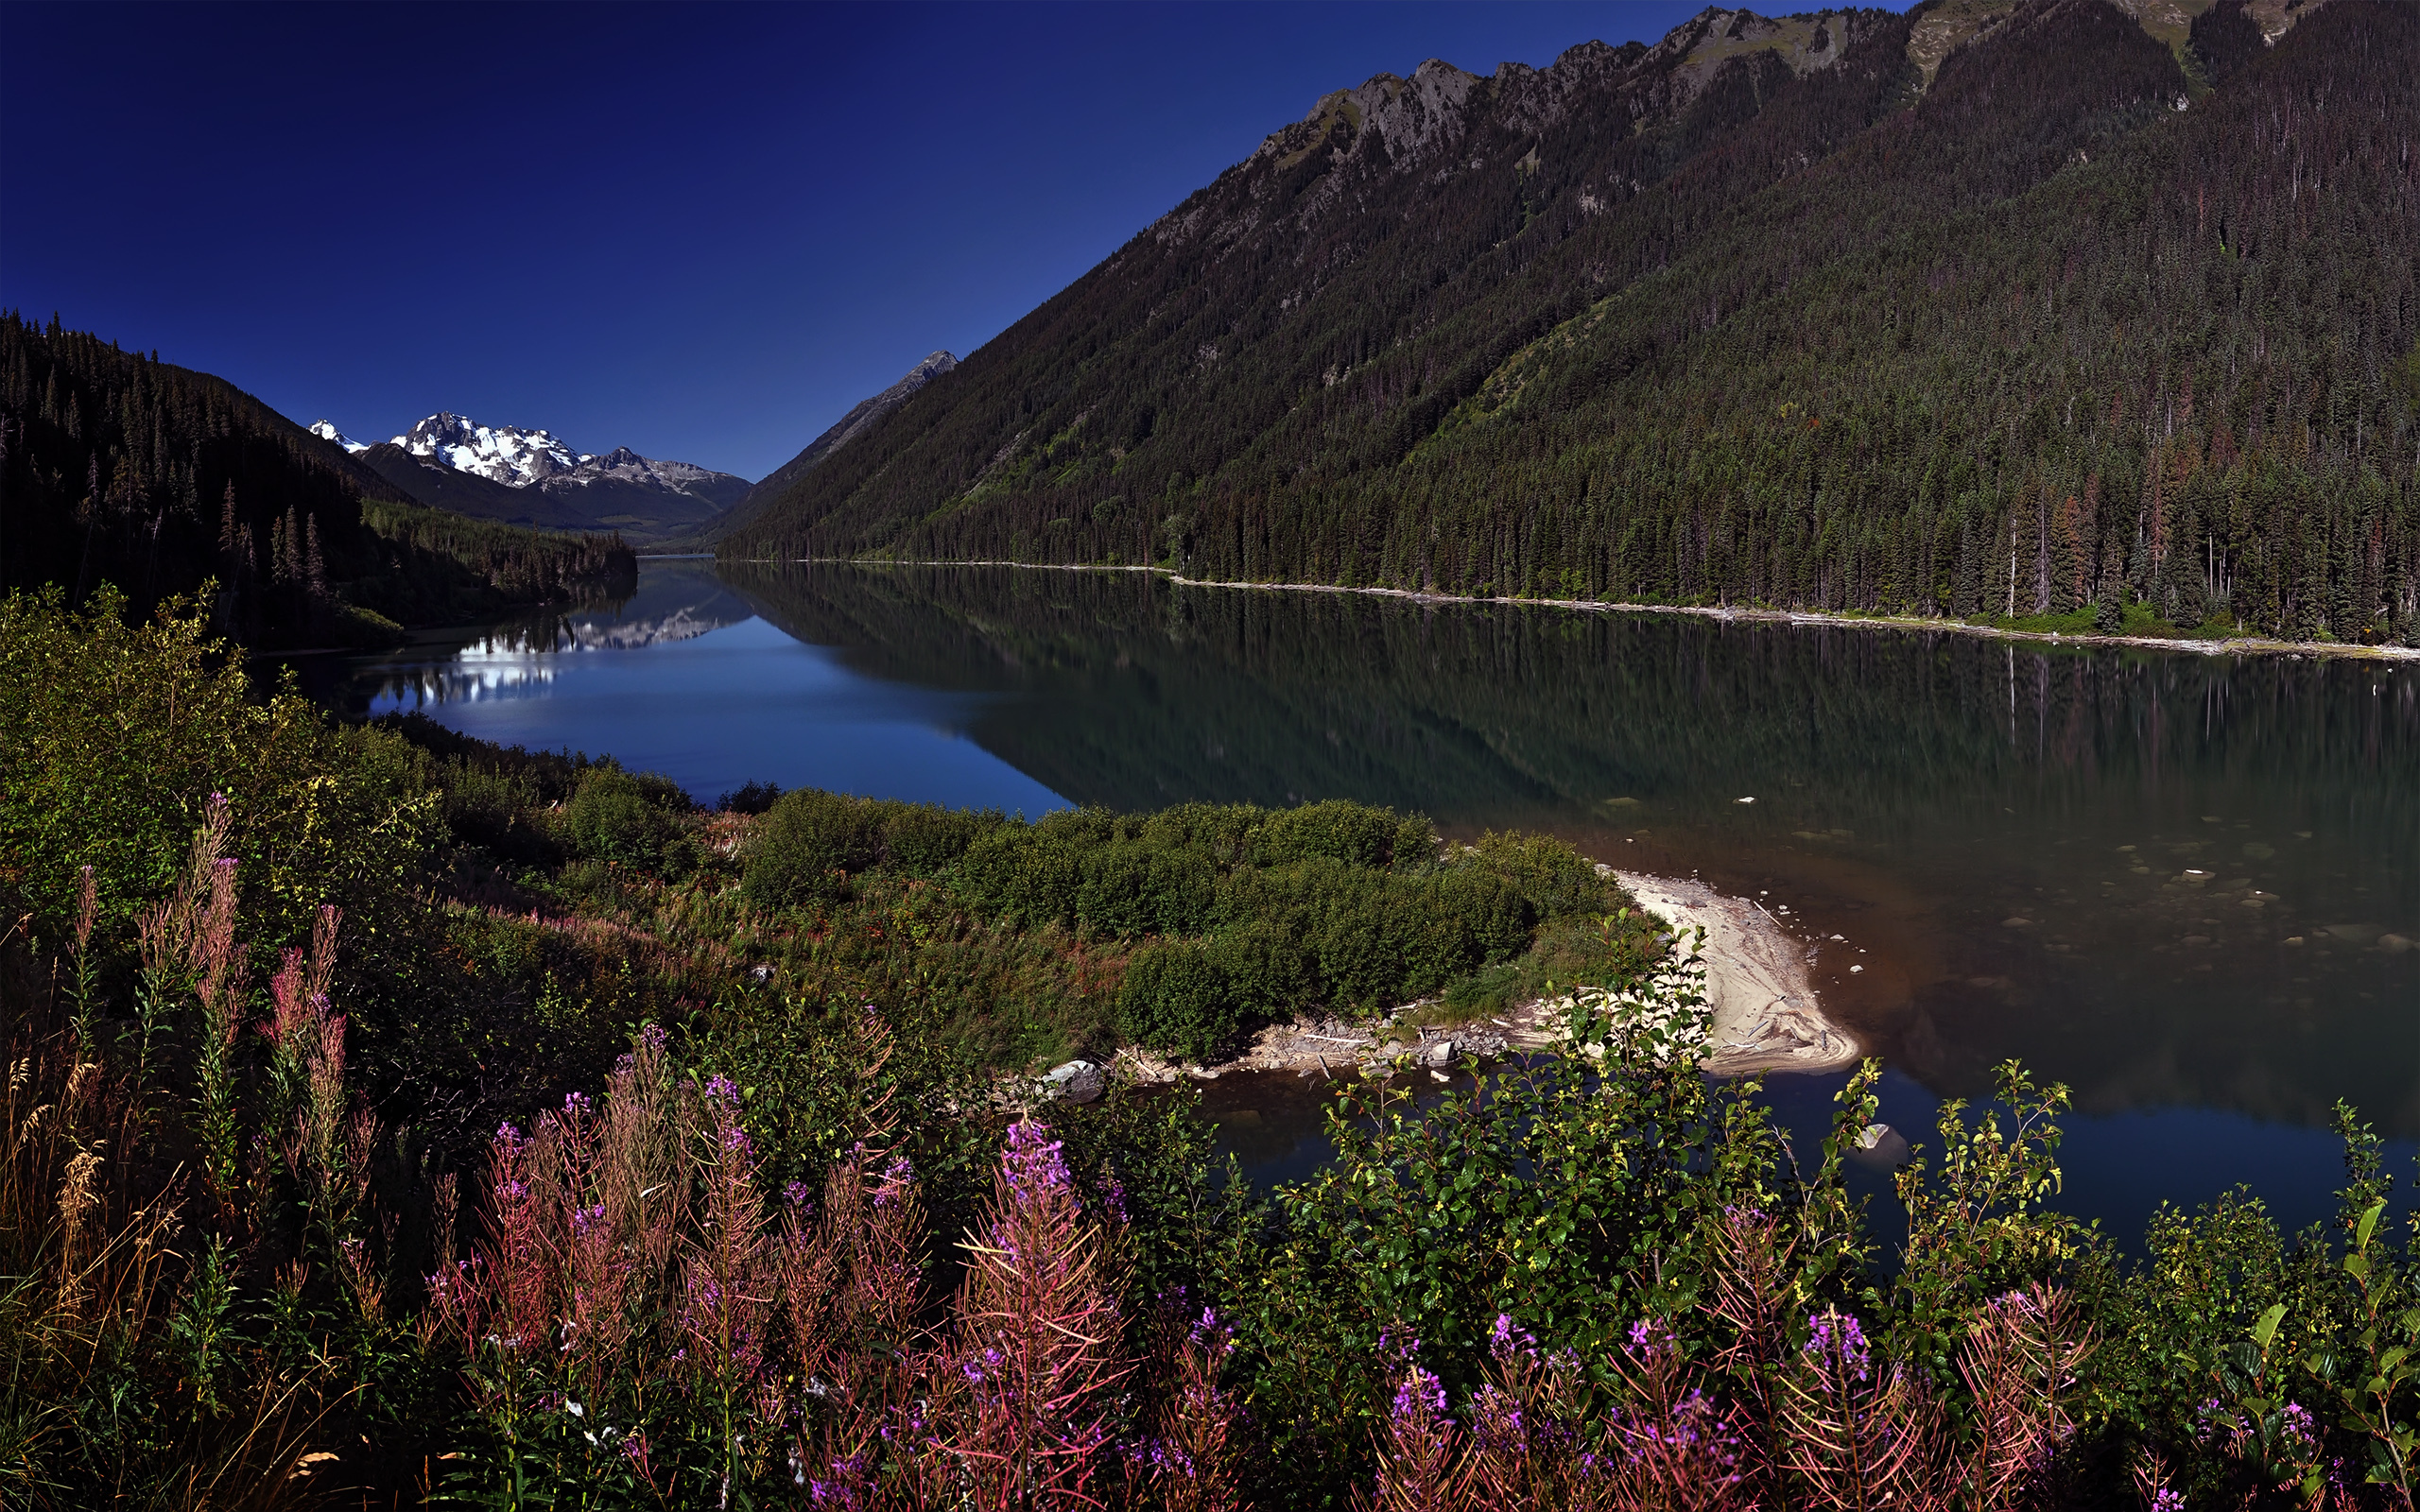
point(2181, 884)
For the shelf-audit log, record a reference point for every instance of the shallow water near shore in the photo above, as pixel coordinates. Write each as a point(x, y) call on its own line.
point(2184, 885)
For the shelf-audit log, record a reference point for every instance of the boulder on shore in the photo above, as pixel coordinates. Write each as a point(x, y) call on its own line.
point(1079, 1081)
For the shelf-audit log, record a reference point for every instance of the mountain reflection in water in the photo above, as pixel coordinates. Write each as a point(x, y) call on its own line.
point(2182, 884)
point(2165, 878)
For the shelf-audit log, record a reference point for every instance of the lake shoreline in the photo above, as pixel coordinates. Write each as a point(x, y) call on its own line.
point(1766, 1015)
point(2254, 645)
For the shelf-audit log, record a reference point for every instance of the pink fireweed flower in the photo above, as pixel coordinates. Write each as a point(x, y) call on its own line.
point(719, 1089)
point(1506, 1339)
point(1419, 1393)
point(2300, 1431)
point(1032, 1161)
point(1849, 1339)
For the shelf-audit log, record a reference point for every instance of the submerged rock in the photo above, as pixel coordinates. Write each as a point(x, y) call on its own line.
point(1880, 1146)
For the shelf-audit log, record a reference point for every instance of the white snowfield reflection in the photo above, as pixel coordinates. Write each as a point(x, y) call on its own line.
point(520, 664)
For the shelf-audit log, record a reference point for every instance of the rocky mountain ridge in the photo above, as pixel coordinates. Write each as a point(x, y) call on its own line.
point(1834, 311)
point(860, 419)
point(532, 477)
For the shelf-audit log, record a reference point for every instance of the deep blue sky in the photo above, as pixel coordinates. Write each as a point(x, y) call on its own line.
point(699, 231)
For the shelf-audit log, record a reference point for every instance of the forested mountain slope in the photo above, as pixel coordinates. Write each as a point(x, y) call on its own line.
point(1762, 314)
point(116, 467)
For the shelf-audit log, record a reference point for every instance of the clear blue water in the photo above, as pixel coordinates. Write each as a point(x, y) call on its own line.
point(2179, 884)
point(684, 680)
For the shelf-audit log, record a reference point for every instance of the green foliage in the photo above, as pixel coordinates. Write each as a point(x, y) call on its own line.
point(1175, 999)
point(112, 739)
point(629, 820)
point(810, 842)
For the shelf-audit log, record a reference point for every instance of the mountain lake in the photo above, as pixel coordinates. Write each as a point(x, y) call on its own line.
point(2183, 883)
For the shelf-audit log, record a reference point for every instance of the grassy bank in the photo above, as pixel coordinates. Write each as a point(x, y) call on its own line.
point(400, 1118)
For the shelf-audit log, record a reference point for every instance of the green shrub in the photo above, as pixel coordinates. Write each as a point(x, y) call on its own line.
point(1350, 833)
point(1269, 971)
point(805, 846)
point(922, 840)
point(1176, 1000)
point(1022, 877)
point(1555, 880)
point(495, 810)
point(621, 819)
point(112, 739)
point(1130, 889)
point(1223, 830)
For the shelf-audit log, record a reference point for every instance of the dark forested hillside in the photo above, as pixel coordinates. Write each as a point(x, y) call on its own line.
point(116, 467)
point(1762, 314)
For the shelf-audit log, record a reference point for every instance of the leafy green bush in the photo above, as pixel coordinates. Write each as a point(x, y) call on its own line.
point(1269, 969)
point(924, 840)
point(810, 842)
point(1337, 831)
point(626, 820)
point(1555, 880)
point(1176, 1000)
point(494, 811)
point(807, 844)
point(113, 737)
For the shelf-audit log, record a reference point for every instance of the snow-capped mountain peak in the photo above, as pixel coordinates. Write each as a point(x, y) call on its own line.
point(502, 453)
point(327, 432)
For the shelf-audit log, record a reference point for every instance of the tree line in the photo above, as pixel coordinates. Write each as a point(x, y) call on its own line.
point(116, 467)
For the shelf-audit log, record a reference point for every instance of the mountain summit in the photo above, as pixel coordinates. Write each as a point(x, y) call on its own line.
point(501, 453)
point(531, 478)
point(847, 428)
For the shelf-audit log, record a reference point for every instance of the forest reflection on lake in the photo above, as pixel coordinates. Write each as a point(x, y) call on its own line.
point(2183, 883)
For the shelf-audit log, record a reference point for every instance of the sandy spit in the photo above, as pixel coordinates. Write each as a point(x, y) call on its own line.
point(1766, 1015)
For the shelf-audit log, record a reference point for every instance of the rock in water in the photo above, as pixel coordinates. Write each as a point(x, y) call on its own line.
point(1880, 1146)
point(1439, 1053)
point(1079, 1081)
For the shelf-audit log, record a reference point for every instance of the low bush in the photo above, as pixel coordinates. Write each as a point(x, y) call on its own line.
point(628, 820)
point(1176, 1000)
point(810, 843)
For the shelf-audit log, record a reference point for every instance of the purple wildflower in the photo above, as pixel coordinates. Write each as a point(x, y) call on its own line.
point(1840, 1333)
point(1420, 1391)
point(720, 1090)
point(1032, 1159)
point(1504, 1339)
point(2300, 1431)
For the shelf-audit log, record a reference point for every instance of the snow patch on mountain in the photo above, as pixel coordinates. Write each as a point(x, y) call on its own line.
point(522, 459)
point(501, 453)
point(327, 432)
